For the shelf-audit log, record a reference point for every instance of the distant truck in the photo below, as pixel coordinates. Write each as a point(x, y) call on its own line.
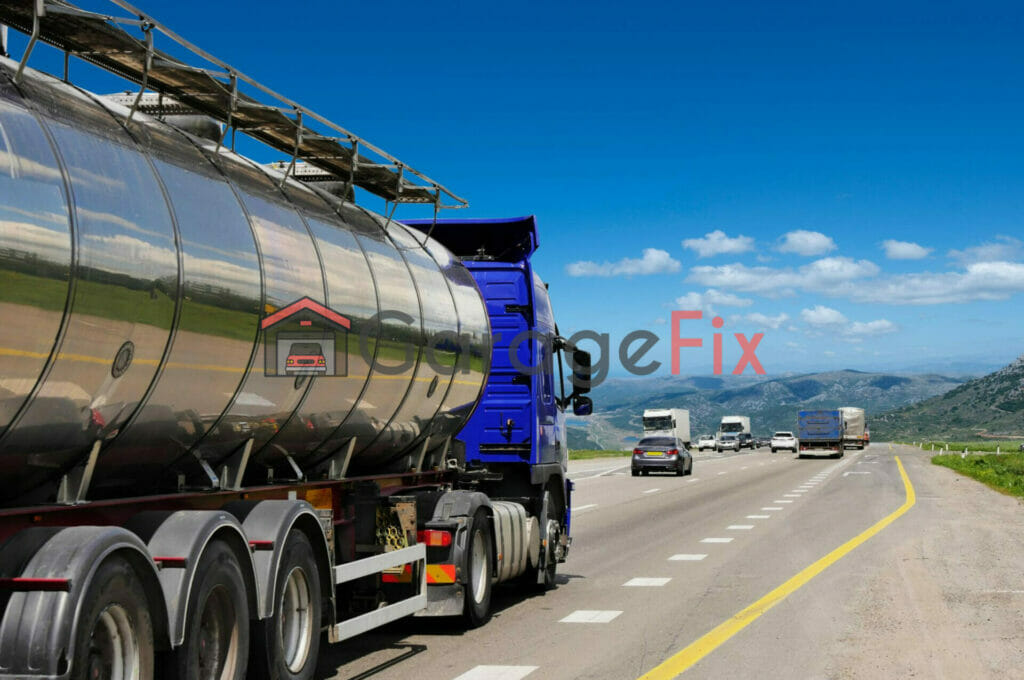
point(820, 432)
point(735, 425)
point(854, 430)
point(671, 422)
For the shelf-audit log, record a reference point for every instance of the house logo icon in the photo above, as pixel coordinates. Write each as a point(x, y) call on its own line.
point(305, 338)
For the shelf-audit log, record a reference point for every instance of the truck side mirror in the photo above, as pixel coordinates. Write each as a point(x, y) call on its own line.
point(581, 372)
point(582, 406)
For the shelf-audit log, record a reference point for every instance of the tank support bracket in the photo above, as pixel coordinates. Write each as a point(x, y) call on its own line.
point(75, 484)
point(339, 461)
point(233, 471)
point(423, 453)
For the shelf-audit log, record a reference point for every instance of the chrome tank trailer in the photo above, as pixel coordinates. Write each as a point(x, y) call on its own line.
point(174, 302)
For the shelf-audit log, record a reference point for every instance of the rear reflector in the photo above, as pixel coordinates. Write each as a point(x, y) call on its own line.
point(440, 573)
point(434, 538)
point(28, 585)
point(403, 575)
point(171, 562)
point(261, 545)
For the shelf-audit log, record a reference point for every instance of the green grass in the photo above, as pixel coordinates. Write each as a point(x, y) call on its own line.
point(985, 446)
point(587, 454)
point(1004, 473)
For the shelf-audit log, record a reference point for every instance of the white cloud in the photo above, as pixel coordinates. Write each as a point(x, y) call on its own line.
point(979, 281)
point(654, 261)
point(876, 327)
point(829, 353)
point(822, 275)
point(822, 316)
point(1003, 248)
point(710, 298)
point(803, 242)
point(904, 250)
point(765, 321)
point(717, 243)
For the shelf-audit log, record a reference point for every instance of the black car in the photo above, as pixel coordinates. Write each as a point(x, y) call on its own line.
point(746, 440)
point(762, 442)
point(667, 454)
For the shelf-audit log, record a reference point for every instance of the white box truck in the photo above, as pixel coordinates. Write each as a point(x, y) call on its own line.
point(853, 426)
point(672, 422)
point(735, 425)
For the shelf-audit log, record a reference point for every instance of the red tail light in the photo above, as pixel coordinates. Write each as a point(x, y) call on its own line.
point(637, 452)
point(674, 452)
point(434, 538)
point(97, 419)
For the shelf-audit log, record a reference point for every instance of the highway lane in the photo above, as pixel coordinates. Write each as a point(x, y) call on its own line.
point(659, 561)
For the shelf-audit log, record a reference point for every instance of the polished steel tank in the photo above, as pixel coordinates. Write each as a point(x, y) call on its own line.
point(174, 301)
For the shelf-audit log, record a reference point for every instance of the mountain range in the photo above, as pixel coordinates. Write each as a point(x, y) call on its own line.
point(771, 403)
point(991, 406)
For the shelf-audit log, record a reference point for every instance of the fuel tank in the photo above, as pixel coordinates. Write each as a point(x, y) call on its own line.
point(180, 304)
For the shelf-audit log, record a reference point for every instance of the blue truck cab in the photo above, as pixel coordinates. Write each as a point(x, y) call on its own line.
point(517, 432)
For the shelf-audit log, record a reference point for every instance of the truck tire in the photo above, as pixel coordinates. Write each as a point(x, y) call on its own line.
point(477, 608)
point(216, 645)
point(634, 472)
point(285, 646)
point(115, 632)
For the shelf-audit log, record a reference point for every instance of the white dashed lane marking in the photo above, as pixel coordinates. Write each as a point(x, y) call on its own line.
point(723, 473)
point(740, 527)
point(770, 508)
point(716, 540)
point(791, 495)
point(497, 673)
point(646, 582)
point(580, 508)
point(758, 516)
point(777, 501)
point(686, 558)
point(590, 616)
point(652, 490)
point(692, 480)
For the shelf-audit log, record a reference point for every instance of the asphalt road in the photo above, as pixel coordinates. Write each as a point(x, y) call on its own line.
point(658, 562)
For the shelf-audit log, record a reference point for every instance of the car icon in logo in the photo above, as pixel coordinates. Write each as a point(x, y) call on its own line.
point(305, 358)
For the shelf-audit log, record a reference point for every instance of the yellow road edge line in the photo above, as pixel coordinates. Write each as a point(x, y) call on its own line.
point(707, 643)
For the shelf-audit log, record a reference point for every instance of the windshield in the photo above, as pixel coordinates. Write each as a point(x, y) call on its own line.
point(783, 434)
point(657, 442)
point(306, 348)
point(657, 423)
point(732, 427)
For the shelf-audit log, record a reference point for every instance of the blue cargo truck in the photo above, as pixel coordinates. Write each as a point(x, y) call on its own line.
point(820, 433)
point(238, 410)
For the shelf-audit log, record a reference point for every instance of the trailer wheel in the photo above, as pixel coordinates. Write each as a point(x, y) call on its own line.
point(216, 643)
point(477, 608)
point(285, 646)
point(115, 633)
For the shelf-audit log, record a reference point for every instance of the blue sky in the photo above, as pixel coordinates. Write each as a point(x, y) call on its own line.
point(702, 136)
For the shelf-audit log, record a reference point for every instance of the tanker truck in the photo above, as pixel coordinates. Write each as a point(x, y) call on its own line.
point(236, 410)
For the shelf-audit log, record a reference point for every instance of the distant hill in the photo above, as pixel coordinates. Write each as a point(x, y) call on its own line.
point(771, 403)
point(991, 406)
